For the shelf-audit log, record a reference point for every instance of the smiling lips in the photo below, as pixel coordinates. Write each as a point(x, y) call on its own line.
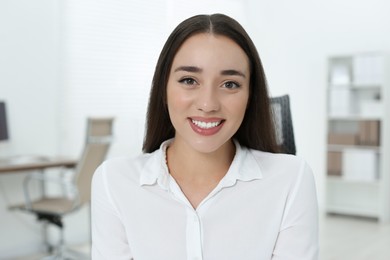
point(206, 127)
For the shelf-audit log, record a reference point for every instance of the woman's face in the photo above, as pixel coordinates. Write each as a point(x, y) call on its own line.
point(207, 91)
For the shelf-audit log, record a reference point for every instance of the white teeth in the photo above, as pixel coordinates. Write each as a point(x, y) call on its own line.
point(205, 125)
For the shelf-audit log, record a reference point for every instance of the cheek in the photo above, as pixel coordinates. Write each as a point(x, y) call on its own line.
point(238, 106)
point(177, 110)
point(177, 101)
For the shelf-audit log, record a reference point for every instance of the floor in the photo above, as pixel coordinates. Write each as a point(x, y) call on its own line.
point(345, 238)
point(83, 250)
point(341, 238)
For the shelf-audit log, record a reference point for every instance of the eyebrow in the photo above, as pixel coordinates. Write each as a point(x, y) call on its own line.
point(232, 73)
point(195, 69)
point(189, 69)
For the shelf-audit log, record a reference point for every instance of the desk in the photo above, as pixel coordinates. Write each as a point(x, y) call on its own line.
point(18, 164)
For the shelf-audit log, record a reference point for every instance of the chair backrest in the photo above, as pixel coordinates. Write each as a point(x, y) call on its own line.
point(3, 122)
point(98, 141)
point(283, 124)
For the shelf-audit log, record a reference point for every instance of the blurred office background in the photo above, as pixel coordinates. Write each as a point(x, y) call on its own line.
point(62, 61)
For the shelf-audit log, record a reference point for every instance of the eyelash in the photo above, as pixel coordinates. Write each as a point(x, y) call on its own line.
point(191, 82)
point(237, 85)
point(186, 81)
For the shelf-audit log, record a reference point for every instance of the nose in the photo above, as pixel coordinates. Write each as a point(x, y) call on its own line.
point(207, 99)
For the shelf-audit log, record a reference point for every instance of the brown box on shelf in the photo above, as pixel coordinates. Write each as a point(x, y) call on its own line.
point(334, 163)
point(343, 139)
point(363, 134)
point(369, 132)
point(374, 133)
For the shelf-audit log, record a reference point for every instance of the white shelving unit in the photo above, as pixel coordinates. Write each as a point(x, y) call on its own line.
point(358, 150)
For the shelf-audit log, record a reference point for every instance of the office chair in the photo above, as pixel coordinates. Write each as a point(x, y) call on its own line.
point(50, 210)
point(283, 124)
point(3, 122)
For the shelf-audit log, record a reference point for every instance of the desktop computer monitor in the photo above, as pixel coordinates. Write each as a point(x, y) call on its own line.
point(3, 122)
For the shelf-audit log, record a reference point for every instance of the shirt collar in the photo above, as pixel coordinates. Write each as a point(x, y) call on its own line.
point(243, 168)
point(156, 169)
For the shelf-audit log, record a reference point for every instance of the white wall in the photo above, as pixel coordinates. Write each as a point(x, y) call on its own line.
point(58, 68)
point(295, 38)
point(29, 71)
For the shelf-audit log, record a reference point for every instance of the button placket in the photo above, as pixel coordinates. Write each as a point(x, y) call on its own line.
point(194, 235)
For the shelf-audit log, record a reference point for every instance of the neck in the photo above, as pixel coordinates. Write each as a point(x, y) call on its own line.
point(187, 164)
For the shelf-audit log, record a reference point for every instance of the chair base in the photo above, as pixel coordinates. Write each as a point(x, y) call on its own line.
point(59, 251)
point(67, 254)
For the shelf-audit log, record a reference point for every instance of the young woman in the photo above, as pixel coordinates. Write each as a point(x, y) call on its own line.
point(210, 184)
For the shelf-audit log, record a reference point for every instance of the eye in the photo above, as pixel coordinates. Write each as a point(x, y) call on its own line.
point(231, 85)
point(188, 81)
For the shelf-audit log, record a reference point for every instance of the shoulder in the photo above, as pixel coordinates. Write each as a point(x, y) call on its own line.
point(285, 166)
point(128, 163)
point(288, 175)
point(277, 160)
point(125, 169)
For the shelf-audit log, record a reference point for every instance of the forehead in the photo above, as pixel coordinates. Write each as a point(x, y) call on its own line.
point(209, 50)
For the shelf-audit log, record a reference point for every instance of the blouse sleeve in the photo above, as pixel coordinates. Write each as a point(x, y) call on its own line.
point(298, 236)
point(108, 234)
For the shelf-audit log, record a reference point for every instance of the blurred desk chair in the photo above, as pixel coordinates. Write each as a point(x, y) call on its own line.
point(283, 124)
point(3, 122)
point(50, 210)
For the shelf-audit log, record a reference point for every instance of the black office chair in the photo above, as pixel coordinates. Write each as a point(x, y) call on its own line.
point(3, 122)
point(283, 124)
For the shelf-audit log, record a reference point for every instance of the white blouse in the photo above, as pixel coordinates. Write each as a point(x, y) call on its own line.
point(264, 208)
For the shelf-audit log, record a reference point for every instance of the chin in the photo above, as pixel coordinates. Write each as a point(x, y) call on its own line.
point(207, 146)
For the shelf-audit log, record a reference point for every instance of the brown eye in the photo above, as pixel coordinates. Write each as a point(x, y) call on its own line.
point(231, 85)
point(188, 81)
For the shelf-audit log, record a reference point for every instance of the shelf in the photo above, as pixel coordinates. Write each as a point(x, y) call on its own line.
point(340, 180)
point(354, 117)
point(353, 86)
point(345, 210)
point(358, 100)
point(340, 147)
point(359, 198)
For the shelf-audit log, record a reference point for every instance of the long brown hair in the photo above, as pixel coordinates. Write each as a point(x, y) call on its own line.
point(257, 129)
